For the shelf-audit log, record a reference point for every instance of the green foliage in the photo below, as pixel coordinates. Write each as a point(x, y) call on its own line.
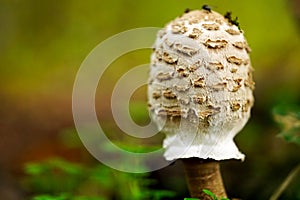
point(286, 183)
point(288, 117)
point(65, 197)
point(63, 180)
point(191, 199)
point(49, 197)
point(209, 193)
point(47, 176)
point(160, 194)
point(212, 195)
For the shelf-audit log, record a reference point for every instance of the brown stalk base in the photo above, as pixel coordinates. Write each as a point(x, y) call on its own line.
point(203, 174)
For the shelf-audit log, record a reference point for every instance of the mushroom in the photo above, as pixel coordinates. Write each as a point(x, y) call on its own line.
point(200, 94)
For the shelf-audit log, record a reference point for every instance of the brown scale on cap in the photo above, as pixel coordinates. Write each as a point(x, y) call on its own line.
point(163, 76)
point(193, 68)
point(199, 82)
point(169, 58)
point(195, 33)
point(185, 49)
point(168, 94)
point(156, 95)
point(235, 60)
point(179, 28)
point(235, 106)
point(211, 27)
point(182, 72)
point(215, 66)
point(233, 32)
point(215, 44)
point(239, 45)
point(199, 99)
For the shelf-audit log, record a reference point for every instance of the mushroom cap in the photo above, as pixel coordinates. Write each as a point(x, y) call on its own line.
point(200, 86)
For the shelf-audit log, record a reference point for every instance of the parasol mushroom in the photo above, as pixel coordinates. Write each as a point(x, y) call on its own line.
point(200, 93)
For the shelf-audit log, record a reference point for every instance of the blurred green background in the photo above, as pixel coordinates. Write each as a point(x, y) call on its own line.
point(42, 44)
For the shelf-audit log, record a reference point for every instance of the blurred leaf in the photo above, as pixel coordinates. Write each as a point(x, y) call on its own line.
point(66, 167)
point(50, 197)
point(191, 199)
point(70, 138)
point(65, 197)
point(159, 194)
point(209, 193)
point(34, 169)
point(285, 184)
point(88, 198)
point(212, 195)
point(102, 175)
point(57, 176)
point(288, 117)
point(54, 176)
point(53, 164)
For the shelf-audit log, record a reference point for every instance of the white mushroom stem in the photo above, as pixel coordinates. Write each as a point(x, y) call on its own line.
point(200, 87)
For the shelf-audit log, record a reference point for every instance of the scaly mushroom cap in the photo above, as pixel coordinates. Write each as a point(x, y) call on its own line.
point(200, 86)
